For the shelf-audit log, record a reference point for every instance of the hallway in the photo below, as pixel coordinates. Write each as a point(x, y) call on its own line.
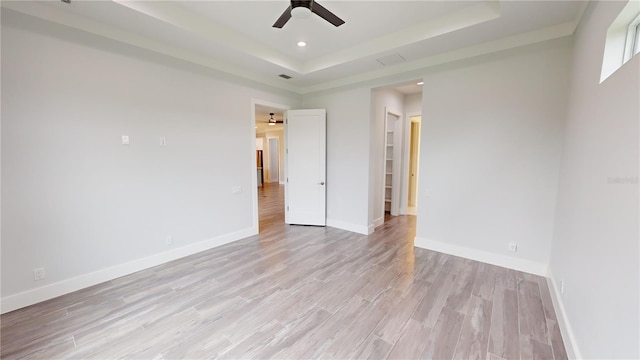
point(270, 205)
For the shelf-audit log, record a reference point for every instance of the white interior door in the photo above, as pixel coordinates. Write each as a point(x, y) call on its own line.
point(305, 188)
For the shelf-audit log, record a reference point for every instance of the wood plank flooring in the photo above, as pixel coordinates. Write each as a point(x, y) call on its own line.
point(297, 292)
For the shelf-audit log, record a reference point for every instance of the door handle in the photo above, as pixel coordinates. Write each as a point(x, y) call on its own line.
point(321, 183)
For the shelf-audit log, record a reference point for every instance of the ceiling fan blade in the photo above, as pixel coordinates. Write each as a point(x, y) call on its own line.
point(326, 14)
point(286, 15)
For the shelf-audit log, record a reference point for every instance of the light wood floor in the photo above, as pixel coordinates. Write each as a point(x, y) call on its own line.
point(299, 292)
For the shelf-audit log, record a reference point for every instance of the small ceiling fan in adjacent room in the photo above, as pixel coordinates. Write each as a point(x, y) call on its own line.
point(303, 9)
point(273, 121)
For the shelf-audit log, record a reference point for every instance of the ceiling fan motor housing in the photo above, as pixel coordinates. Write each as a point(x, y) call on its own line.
point(301, 9)
point(307, 4)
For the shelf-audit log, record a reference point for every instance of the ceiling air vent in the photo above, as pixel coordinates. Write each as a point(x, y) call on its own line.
point(391, 60)
point(285, 76)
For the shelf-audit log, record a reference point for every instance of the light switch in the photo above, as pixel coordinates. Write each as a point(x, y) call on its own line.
point(163, 141)
point(236, 189)
point(125, 140)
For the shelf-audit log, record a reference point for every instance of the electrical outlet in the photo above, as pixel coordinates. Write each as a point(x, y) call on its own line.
point(38, 274)
point(236, 189)
point(513, 247)
point(169, 240)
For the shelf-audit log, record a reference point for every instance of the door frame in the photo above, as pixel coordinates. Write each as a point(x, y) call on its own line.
point(252, 163)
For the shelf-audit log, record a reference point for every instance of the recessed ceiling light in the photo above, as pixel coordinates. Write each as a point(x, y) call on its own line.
point(420, 83)
point(302, 44)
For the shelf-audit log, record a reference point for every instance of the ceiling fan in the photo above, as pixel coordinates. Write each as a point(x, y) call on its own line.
point(273, 121)
point(303, 9)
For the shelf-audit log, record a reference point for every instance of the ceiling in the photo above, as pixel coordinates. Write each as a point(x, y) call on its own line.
point(263, 115)
point(379, 38)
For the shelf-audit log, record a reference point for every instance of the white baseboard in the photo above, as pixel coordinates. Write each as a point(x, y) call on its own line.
point(377, 222)
point(568, 336)
point(524, 265)
point(370, 229)
point(360, 229)
point(33, 296)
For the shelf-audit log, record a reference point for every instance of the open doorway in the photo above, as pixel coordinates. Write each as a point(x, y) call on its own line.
point(395, 107)
point(269, 166)
point(414, 160)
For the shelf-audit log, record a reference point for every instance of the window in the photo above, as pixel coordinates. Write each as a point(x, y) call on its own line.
point(632, 43)
point(622, 40)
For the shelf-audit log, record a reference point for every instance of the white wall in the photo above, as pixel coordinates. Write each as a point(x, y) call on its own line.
point(413, 103)
point(348, 121)
point(77, 202)
point(595, 248)
point(383, 99)
point(490, 152)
